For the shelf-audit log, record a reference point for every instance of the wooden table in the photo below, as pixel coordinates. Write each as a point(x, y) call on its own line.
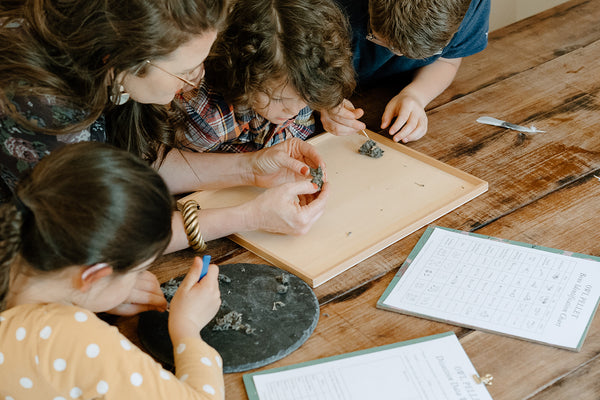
point(543, 189)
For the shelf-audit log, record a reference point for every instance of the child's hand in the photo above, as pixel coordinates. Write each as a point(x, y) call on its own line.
point(288, 161)
point(145, 295)
point(195, 303)
point(278, 210)
point(411, 120)
point(343, 119)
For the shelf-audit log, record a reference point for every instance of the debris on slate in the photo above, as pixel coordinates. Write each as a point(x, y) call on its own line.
point(232, 321)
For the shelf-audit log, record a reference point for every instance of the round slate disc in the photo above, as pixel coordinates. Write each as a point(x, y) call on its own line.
point(279, 311)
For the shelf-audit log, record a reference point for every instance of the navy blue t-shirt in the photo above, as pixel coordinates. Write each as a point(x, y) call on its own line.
point(372, 61)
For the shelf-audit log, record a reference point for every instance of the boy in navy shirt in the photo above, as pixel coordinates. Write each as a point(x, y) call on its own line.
point(392, 38)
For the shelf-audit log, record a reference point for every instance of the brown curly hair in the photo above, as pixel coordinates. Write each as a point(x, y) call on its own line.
point(417, 28)
point(305, 43)
point(72, 49)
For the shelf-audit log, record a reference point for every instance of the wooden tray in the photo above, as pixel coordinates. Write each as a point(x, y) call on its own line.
point(372, 204)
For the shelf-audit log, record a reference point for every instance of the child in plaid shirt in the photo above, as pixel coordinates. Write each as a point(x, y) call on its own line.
point(275, 63)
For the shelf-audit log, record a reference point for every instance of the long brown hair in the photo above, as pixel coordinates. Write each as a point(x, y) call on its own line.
point(72, 49)
point(84, 204)
point(304, 42)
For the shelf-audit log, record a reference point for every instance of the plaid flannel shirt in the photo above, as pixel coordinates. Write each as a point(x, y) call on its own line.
point(213, 125)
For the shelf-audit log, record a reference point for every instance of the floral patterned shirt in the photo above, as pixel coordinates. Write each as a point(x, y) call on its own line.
point(21, 148)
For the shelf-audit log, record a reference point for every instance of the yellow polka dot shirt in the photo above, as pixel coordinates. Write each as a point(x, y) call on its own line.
point(61, 352)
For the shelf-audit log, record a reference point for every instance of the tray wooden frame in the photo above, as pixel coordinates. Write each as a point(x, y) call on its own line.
point(372, 204)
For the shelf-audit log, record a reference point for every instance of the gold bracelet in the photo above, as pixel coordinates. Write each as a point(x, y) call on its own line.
point(192, 228)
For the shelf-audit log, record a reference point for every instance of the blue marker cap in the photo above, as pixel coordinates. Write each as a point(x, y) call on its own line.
point(205, 263)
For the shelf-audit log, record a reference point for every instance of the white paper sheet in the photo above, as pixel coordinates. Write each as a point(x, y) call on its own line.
point(500, 287)
point(431, 369)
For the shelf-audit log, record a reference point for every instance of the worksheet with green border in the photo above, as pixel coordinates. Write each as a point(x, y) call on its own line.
point(431, 367)
point(530, 292)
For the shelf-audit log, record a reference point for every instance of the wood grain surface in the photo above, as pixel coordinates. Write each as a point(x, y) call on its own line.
point(543, 189)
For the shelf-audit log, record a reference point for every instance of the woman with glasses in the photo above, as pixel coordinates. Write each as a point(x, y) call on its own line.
point(107, 70)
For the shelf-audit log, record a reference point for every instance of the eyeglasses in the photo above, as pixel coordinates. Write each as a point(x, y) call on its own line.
point(374, 39)
point(197, 74)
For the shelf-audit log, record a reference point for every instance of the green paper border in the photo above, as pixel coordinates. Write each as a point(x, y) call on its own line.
point(419, 246)
point(251, 388)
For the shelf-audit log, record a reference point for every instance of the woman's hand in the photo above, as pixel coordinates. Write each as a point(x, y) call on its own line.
point(195, 303)
point(146, 295)
point(288, 161)
point(289, 209)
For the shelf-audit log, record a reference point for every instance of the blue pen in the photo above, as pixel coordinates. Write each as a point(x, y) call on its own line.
point(205, 263)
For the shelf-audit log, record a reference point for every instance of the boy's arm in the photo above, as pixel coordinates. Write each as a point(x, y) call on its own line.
point(408, 107)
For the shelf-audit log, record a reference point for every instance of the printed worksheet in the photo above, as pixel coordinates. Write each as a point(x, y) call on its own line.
point(539, 294)
point(435, 367)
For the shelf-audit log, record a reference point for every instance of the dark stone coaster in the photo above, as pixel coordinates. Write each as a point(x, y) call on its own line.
point(253, 291)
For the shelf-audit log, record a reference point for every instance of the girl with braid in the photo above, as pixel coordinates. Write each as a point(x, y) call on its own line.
point(81, 230)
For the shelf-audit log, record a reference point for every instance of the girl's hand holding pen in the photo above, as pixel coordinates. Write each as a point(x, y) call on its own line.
point(195, 303)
